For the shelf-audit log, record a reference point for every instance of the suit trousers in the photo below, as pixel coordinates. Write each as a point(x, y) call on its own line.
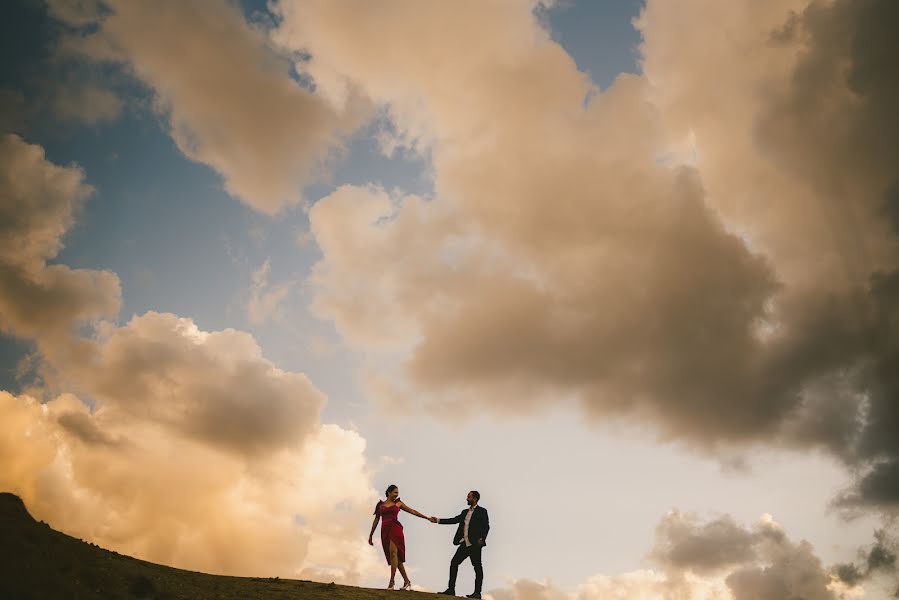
point(462, 552)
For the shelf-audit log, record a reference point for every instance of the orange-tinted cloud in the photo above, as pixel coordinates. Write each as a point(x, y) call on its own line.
point(182, 442)
point(146, 489)
point(174, 444)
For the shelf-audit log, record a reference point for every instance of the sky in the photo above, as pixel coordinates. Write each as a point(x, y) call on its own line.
point(627, 268)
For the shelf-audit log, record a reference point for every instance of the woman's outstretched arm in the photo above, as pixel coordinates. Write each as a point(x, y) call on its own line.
point(374, 525)
point(410, 510)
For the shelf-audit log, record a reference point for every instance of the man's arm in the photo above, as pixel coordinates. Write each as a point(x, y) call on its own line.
point(483, 539)
point(453, 520)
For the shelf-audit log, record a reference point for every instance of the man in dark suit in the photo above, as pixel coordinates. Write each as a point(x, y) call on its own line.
point(471, 537)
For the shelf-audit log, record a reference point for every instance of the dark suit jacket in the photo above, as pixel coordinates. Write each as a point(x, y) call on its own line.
point(478, 527)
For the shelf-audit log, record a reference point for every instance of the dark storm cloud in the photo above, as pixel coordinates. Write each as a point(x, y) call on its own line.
point(682, 543)
point(876, 560)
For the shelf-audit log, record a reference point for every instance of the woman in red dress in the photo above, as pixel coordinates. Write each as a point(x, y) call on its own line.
point(392, 533)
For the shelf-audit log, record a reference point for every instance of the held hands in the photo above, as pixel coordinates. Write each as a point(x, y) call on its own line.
point(433, 519)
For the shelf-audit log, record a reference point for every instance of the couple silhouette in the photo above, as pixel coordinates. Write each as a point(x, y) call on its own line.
point(471, 537)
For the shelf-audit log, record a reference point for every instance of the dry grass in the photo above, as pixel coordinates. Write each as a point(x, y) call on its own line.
point(38, 563)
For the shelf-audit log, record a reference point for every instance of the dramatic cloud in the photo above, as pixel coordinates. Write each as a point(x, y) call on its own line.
point(876, 560)
point(193, 440)
point(218, 388)
point(230, 99)
point(564, 264)
point(39, 200)
point(175, 441)
point(709, 246)
point(146, 489)
point(683, 543)
point(760, 562)
point(718, 559)
point(798, 151)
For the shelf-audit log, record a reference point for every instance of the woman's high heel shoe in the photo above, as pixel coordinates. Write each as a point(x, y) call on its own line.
point(391, 586)
point(407, 587)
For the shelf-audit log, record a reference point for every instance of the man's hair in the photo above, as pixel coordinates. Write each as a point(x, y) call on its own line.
point(476, 494)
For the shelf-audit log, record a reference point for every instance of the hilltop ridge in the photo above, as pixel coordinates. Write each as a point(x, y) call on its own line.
point(39, 563)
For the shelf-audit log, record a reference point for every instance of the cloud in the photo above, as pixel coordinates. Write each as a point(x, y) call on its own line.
point(218, 388)
point(14, 110)
point(77, 13)
point(228, 96)
point(757, 562)
point(40, 200)
point(683, 543)
point(143, 488)
point(558, 258)
point(360, 231)
point(266, 299)
point(744, 294)
point(716, 559)
point(167, 442)
point(87, 102)
point(181, 442)
point(644, 584)
point(878, 559)
point(798, 149)
point(827, 131)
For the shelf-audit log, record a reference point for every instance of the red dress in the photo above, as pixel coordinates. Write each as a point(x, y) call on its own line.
point(391, 531)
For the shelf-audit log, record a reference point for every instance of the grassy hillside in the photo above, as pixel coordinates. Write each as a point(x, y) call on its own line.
point(38, 563)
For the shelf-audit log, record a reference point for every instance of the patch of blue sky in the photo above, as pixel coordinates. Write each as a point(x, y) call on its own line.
point(157, 220)
point(599, 35)
point(258, 12)
point(12, 352)
point(366, 163)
